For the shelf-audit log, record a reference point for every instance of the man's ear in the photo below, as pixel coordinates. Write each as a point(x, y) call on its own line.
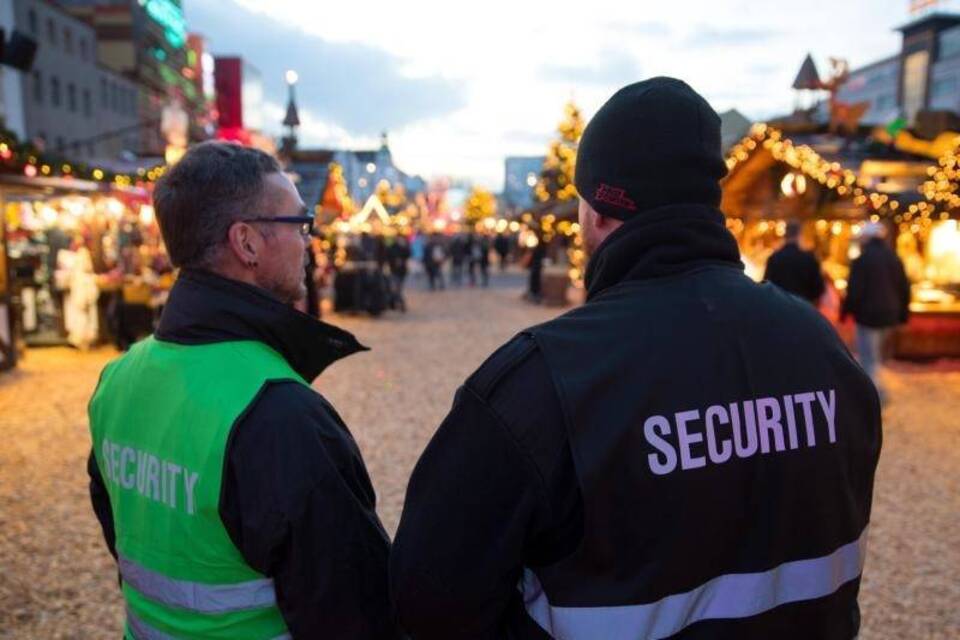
point(602, 221)
point(244, 244)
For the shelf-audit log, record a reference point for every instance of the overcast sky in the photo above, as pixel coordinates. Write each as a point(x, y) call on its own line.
point(461, 85)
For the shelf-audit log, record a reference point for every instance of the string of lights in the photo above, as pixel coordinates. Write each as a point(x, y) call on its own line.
point(17, 157)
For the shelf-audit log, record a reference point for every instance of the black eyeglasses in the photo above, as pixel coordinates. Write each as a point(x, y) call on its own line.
point(305, 222)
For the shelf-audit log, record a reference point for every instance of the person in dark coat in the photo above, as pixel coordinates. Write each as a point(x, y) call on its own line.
point(458, 258)
point(481, 257)
point(687, 455)
point(795, 270)
point(434, 255)
point(878, 297)
point(535, 281)
point(502, 246)
point(398, 253)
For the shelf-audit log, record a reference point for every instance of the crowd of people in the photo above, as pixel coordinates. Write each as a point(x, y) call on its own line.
point(466, 253)
point(368, 272)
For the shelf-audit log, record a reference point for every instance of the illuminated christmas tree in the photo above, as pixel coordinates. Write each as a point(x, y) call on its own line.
point(336, 198)
point(556, 177)
point(480, 204)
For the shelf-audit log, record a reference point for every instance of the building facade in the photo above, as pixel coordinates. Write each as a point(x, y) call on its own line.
point(70, 105)
point(363, 170)
point(923, 76)
point(147, 42)
point(520, 178)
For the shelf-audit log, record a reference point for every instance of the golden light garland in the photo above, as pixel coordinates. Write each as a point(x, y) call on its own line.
point(943, 188)
point(805, 159)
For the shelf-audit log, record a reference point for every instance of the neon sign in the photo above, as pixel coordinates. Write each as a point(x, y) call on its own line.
point(169, 15)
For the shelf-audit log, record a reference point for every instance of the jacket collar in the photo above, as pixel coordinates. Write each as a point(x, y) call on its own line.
point(662, 242)
point(204, 308)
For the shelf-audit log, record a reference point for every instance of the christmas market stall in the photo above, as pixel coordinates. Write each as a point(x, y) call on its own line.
point(80, 244)
point(832, 185)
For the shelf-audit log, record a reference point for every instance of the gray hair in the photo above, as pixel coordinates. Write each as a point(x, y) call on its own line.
point(214, 185)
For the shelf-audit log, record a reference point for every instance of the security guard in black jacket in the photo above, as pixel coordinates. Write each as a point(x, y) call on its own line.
point(687, 455)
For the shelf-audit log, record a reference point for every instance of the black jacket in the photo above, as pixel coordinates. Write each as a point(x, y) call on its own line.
point(878, 292)
point(498, 490)
point(296, 500)
point(797, 271)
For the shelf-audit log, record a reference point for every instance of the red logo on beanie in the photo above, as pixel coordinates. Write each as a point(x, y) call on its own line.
point(615, 196)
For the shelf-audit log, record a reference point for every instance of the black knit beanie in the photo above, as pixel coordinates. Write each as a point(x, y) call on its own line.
point(653, 143)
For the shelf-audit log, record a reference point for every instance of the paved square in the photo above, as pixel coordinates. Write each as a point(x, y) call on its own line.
point(57, 580)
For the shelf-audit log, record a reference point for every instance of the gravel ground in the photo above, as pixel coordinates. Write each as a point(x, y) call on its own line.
point(57, 580)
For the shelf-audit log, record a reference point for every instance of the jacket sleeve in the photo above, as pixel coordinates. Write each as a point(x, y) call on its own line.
point(299, 505)
point(472, 501)
point(101, 504)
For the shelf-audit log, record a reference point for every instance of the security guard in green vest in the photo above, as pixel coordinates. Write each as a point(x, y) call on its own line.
point(232, 495)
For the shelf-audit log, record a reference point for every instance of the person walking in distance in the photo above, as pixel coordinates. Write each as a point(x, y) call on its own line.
point(232, 495)
point(795, 270)
point(687, 455)
point(878, 297)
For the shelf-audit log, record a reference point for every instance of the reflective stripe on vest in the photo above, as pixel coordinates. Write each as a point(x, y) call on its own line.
point(142, 631)
point(735, 595)
point(195, 596)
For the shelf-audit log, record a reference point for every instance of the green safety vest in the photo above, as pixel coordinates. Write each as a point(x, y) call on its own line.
point(160, 420)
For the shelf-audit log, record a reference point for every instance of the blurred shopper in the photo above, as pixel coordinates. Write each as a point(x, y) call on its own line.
point(458, 258)
point(80, 312)
point(480, 260)
point(535, 281)
point(398, 257)
point(689, 454)
point(878, 297)
point(795, 270)
point(230, 492)
point(434, 255)
point(502, 246)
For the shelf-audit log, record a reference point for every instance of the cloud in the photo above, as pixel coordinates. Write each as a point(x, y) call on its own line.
point(613, 68)
point(644, 28)
point(736, 36)
point(357, 87)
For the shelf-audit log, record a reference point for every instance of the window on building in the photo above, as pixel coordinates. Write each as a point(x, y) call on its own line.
point(55, 91)
point(61, 145)
point(945, 94)
point(114, 97)
point(885, 103)
point(32, 21)
point(90, 149)
point(87, 104)
point(949, 42)
point(915, 83)
point(51, 32)
point(37, 87)
point(67, 40)
point(104, 94)
point(83, 49)
point(76, 148)
point(72, 97)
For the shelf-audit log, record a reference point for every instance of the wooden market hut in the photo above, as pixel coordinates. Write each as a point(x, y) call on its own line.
point(832, 185)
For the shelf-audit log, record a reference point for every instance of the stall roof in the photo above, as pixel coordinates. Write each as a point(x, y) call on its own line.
point(52, 186)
